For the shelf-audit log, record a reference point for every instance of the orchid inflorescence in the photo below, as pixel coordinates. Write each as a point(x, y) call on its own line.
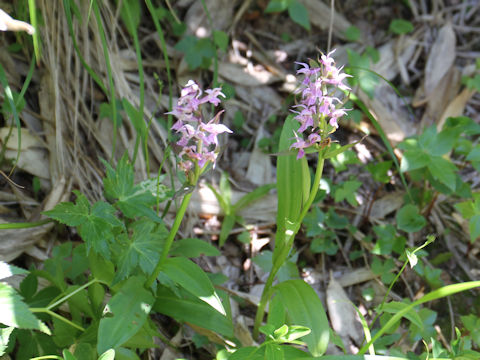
point(318, 104)
point(198, 140)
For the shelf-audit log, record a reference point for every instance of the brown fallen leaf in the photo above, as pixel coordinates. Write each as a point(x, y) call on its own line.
point(342, 313)
point(440, 59)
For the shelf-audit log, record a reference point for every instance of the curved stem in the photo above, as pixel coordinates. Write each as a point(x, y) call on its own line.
point(60, 317)
point(280, 260)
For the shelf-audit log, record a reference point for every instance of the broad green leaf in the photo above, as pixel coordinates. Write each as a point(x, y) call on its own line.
point(409, 219)
point(305, 308)
point(108, 355)
point(192, 248)
point(141, 248)
point(130, 307)
point(414, 159)
point(299, 14)
point(400, 26)
point(187, 308)
point(394, 306)
point(192, 278)
point(277, 6)
point(4, 338)
point(7, 270)
point(443, 171)
point(474, 154)
point(16, 313)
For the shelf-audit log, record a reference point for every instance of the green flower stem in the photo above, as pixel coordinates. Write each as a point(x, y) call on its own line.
point(66, 297)
point(283, 254)
point(53, 314)
point(173, 231)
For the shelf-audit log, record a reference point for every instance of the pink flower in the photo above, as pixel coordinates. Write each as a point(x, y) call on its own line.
point(320, 110)
point(198, 139)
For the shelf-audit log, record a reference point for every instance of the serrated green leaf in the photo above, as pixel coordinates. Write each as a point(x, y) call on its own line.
point(299, 14)
point(443, 171)
point(70, 214)
point(133, 200)
point(16, 313)
point(187, 308)
point(192, 278)
point(141, 249)
point(347, 192)
point(130, 307)
point(192, 248)
point(4, 338)
point(7, 270)
point(409, 219)
point(305, 308)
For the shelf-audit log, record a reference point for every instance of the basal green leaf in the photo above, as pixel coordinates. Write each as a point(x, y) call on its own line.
point(290, 182)
point(305, 308)
point(192, 278)
point(16, 313)
point(192, 248)
point(130, 307)
point(187, 308)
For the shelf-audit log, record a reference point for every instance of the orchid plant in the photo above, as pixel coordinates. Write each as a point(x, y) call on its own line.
point(307, 131)
point(199, 144)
